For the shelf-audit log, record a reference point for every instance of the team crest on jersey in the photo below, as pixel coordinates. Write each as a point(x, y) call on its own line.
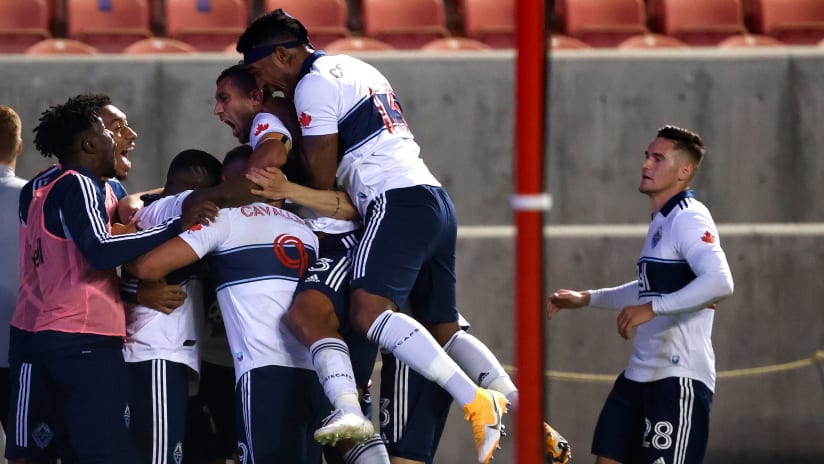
point(657, 237)
point(127, 416)
point(239, 355)
point(260, 128)
point(42, 435)
point(305, 119)
point(675, 358)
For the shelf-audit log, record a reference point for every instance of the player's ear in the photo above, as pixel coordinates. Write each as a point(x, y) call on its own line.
point(87, 145)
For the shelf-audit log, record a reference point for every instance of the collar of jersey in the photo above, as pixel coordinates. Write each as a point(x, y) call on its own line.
point(310, 60)
point(674, 201)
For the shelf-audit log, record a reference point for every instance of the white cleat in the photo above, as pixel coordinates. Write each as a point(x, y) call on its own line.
point(342, 425)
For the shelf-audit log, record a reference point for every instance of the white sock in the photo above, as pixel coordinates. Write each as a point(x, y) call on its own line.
point(371, 451)
point(413, 345)
point(481, 365)
point(330, 357)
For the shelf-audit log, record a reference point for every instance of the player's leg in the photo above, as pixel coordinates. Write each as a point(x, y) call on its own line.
point(413, 413)
point(275, 417)
point(159, 391)
point(90, 375)
point(210, 416)
point(676, 414)
point(403, 227)
point(620, 425)
point(319, 305)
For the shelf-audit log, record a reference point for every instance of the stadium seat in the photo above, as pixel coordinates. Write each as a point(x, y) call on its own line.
point(22, 24)
point(565, 42)
point(490, 21)
point(455, 44)
point(696, 22)
point(207, 25)
point(651, 41)
point(404, 24)
point(794, 22)
point(159, 45)
point(603, 23)
point(357, 44)
point(108, 25)
point(61, 47)
point(750, 40)
point(325, 19)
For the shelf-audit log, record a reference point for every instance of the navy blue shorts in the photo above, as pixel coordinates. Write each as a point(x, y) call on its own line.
point(85, 379)
point(413, 411)
point(159, 392)
point(408, 252)
point(210, 416)
point(662, 421)
point(330, 274)
point(278, 410)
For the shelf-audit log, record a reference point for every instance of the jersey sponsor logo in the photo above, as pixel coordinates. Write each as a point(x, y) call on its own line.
point(656, 237)
point(283, 245)
point(708, 237)
point(305, 119)
point(260, 128)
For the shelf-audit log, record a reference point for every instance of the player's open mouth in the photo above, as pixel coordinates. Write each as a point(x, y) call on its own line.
point(124, 157)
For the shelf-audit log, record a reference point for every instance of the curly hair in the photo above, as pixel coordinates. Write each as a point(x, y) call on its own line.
point(61, 125)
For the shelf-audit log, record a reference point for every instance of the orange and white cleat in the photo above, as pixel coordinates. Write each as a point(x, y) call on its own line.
point(484, 413)
point(557, 447)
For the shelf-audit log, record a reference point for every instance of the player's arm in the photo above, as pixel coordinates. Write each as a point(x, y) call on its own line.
point(128, 205)
point(697, 239)
point(155, 264)
point(320, 156)
point(275, 186)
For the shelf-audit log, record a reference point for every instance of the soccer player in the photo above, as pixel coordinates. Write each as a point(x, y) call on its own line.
point(161, 348)
point(259, 253)
point(69, 306)
point(11, 146)
point(322, 297)
point(658, 409)
point(355, 136)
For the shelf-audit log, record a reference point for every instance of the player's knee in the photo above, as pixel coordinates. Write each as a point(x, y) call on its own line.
point(310, 312)
point(443, 332)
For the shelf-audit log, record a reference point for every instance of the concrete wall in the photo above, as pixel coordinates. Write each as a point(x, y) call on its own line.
point(759, 112)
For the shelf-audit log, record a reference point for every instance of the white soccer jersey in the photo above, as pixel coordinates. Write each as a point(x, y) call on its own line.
point(265, 123)
point(151, 334)
point(344, 95)
point(257, 254)
point(683, 271)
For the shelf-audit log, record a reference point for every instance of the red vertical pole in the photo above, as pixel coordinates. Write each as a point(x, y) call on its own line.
point(529, 203)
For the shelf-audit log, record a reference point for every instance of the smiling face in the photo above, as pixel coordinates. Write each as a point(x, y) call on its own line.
point(665, 170)
point(235, 108)
point(124, 136)
point(100, 144)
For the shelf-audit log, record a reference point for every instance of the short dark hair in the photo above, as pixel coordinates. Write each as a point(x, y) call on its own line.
point(240, 75)
point(195, 161)
point(97, 100)
point(685, 140)
point(240, 153)
point(9, 129)
point(274, 26)
point(60, 126)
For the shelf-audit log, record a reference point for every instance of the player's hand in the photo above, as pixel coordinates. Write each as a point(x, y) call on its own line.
point(565, 299)
point(203, 213)
point(273, 183)
point(120, 229)
point(633, 316)
point(160, 296)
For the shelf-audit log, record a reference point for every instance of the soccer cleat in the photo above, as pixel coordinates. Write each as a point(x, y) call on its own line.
point(484, 413)
point(342, 425)
point(557, 447)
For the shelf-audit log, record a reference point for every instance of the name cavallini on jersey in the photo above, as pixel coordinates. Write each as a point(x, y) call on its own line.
point(263, 210)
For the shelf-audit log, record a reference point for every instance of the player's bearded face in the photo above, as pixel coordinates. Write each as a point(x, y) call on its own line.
point(124, 137)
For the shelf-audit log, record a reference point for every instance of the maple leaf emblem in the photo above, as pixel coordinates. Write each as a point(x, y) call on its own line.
point(305, 119)
point(195, 227)
point(708, 237)
point(260, 128)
